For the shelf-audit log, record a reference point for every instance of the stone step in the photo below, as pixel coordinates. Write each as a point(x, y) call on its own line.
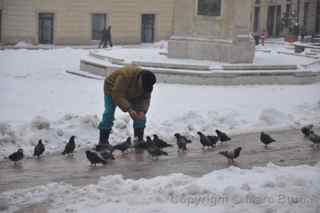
point(172, 66)
point(260, 67)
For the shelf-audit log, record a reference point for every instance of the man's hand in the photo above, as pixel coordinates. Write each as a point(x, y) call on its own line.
point(136, 115)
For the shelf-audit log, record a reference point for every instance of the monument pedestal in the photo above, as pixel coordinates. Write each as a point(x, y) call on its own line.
point(239, 51)
point(218, 31)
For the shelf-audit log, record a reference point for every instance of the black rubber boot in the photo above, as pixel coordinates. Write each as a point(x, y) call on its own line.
point(139, 133)
point(104, 141)
point(104, 136)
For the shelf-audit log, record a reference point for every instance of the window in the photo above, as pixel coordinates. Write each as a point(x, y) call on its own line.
point(209, 7)
point(98, 23)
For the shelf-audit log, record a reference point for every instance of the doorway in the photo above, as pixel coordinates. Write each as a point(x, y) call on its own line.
point(46, 27)
point(256, 19)
point(270, 20)
point(147, 28)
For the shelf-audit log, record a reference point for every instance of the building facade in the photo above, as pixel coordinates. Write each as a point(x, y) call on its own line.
point(81, 21)
point(132, 21)
point(267, 15)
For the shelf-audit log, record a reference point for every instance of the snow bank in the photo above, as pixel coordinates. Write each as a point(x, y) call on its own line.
point(261, 189)
point(23, 44)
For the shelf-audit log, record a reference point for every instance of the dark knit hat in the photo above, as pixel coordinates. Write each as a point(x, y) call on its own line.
point(148, 80)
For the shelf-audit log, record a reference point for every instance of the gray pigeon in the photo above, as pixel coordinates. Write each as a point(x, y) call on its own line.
point(123, 146)
point(16, 156)
point(315, 139)
point(156, 152)
point(70, 146)
point(39, 149)
point(95, 158)
point(231, 155)
point(107, 155)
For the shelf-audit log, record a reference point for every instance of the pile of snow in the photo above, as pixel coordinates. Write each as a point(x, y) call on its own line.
point(270, 189)
point(23, 44)
point(40, 123)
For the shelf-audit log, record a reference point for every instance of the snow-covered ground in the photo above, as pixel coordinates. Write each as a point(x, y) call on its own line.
point(270, 189)
point(40, 100)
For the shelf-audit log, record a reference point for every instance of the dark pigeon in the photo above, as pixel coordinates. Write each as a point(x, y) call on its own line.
point(16, 156)
point(140, 144)
point(213, 140)
point(231, 155)
point(103, 147)
point(39, 149)
point(223, 137)
point(306, 130)
point(204, 140)
point(182, 142)
point(266, 139)
point(70, 146)
point(160, 143)
point(95, 158)
point(123, 146)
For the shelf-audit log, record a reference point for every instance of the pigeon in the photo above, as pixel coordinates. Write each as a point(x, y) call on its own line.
point(70, 146)
point(123, 146)
point(182, 142)
point(266, 139)
point(315, 139)
point(160, 143)
point(223, 137)
point(156, 152)
point(16, 156)
point(107, 155)
point(204, 140)
point(95, 158)
point(151, 143)
point(231, 155)
point(39, 149)
point(140, 144)
point(306, 130)
point(213, 139)
point(103, 147)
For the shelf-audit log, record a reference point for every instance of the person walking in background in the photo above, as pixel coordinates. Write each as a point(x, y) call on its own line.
point(302, 32)
point(263, 37)
point(106, 38)
point(130, 89)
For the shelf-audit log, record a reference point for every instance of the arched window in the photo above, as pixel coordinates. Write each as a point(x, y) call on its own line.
point(209, 7)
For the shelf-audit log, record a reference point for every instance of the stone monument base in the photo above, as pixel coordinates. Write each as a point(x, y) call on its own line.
point(240, 50)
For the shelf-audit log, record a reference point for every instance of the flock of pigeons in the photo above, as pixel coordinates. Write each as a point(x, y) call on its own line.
point(101, 154)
